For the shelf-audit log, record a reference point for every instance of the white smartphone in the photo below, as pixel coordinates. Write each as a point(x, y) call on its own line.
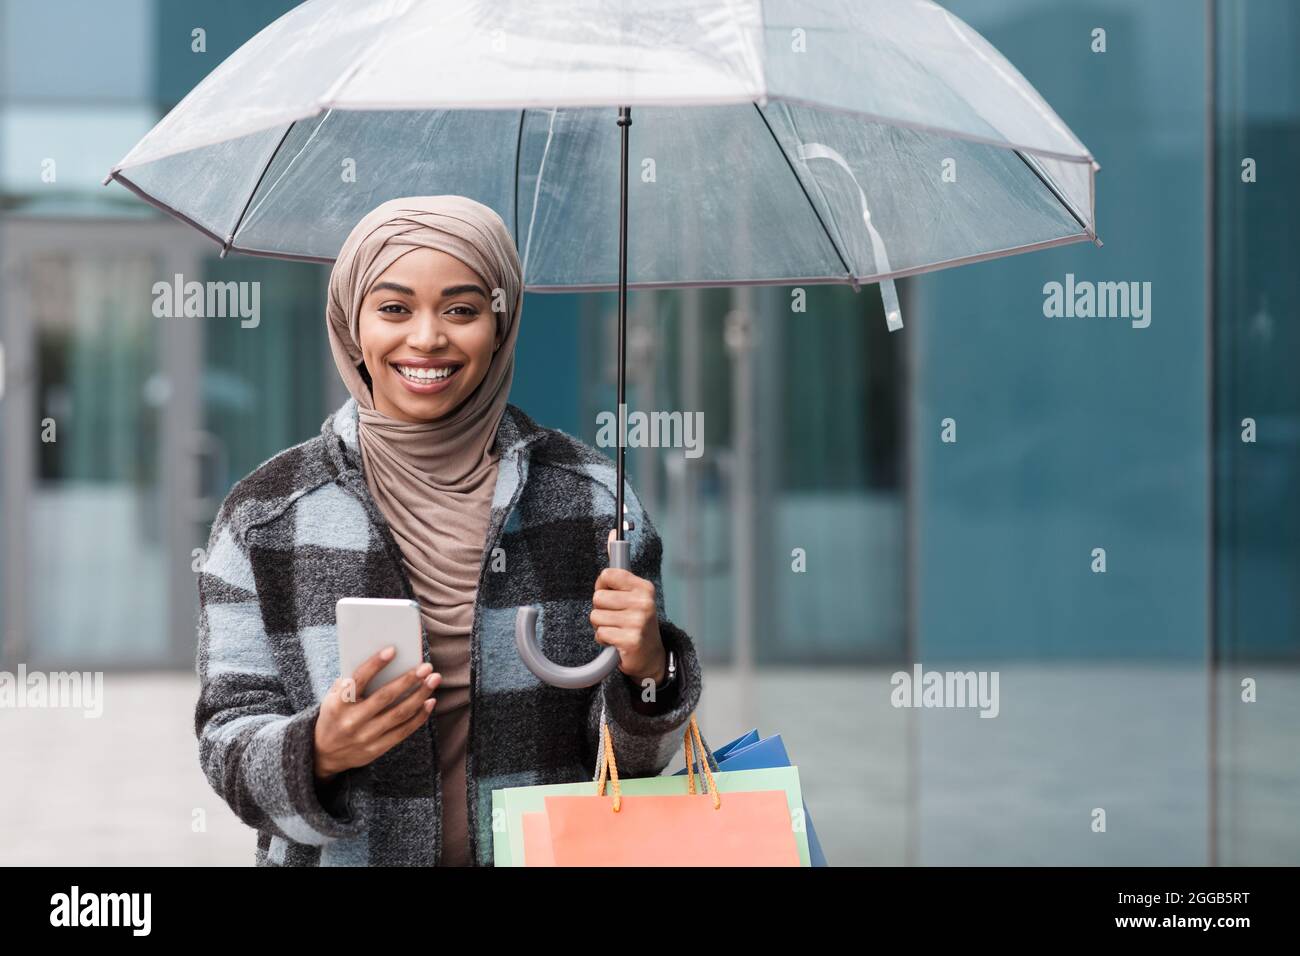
point(367, 625)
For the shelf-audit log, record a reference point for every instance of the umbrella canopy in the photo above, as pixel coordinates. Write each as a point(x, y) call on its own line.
point(774, 141)
point(760, 141)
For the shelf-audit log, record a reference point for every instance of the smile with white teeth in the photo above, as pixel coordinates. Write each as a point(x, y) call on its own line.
point(425, 374)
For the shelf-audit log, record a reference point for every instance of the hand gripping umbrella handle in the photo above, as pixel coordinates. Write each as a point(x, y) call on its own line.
point(585, 675)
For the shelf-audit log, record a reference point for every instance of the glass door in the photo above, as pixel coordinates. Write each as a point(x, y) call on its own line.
point(98, 472)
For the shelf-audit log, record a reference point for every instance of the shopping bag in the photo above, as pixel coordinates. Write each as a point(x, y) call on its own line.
point(537, 840)
point(750, 752)
point(745, 829)
point(742, 828)
point(510, 804)
point(744, 740)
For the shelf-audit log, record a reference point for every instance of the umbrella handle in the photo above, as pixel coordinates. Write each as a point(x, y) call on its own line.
point(584, 675)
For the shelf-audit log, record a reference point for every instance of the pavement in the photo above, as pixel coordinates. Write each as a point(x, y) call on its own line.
point(885, 785)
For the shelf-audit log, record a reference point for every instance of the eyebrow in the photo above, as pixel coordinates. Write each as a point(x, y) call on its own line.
point(450, 290)
point(460, 289)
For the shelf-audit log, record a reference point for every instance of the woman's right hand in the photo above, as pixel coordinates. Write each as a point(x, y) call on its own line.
point(353, 730)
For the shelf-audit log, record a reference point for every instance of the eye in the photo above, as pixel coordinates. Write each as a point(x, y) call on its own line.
point(393, 308)
point(465, 310)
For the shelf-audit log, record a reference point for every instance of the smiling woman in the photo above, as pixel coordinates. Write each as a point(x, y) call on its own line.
point(425, 474)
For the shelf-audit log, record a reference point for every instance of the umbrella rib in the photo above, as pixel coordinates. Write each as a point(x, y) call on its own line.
point(1055, 192)
point(811, 205)
point(519, 145)
point(537, 196)
point(225, 246)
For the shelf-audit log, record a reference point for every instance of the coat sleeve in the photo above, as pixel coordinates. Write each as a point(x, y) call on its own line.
point(644, 743)
point(258, 753)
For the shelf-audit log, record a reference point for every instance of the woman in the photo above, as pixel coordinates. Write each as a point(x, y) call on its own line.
point(426, 484)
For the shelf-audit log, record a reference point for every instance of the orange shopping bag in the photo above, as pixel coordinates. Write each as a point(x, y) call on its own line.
point(746, 828)
point(537, 840)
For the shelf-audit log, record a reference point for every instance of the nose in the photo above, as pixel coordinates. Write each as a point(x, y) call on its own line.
point(427, 332)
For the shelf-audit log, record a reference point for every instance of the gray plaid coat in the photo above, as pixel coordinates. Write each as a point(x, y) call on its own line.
point(301, 532)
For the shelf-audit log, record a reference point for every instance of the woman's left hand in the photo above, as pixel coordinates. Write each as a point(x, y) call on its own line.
point(624, 615)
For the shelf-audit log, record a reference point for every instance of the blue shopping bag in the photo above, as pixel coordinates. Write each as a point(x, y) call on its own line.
point(741, 742)
point(750, 752)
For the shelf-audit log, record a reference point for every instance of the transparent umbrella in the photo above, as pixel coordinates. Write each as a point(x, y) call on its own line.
point(768, 142)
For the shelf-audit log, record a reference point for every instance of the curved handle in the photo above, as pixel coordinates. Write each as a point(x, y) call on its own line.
point(584, 675)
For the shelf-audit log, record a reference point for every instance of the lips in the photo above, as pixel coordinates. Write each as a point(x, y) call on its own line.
point(426, 377)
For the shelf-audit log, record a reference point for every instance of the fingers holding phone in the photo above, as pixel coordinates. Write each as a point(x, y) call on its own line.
point(384, 691)
point(353, 729)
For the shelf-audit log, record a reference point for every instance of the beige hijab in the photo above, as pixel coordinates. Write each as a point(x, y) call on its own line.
point(433, 481)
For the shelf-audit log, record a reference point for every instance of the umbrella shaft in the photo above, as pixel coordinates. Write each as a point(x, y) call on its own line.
point(624, 121)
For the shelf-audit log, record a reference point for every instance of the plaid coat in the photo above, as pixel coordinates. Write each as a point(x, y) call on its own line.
point(301, 532)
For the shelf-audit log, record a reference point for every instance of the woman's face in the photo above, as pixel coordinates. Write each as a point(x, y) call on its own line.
point(427, 335)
